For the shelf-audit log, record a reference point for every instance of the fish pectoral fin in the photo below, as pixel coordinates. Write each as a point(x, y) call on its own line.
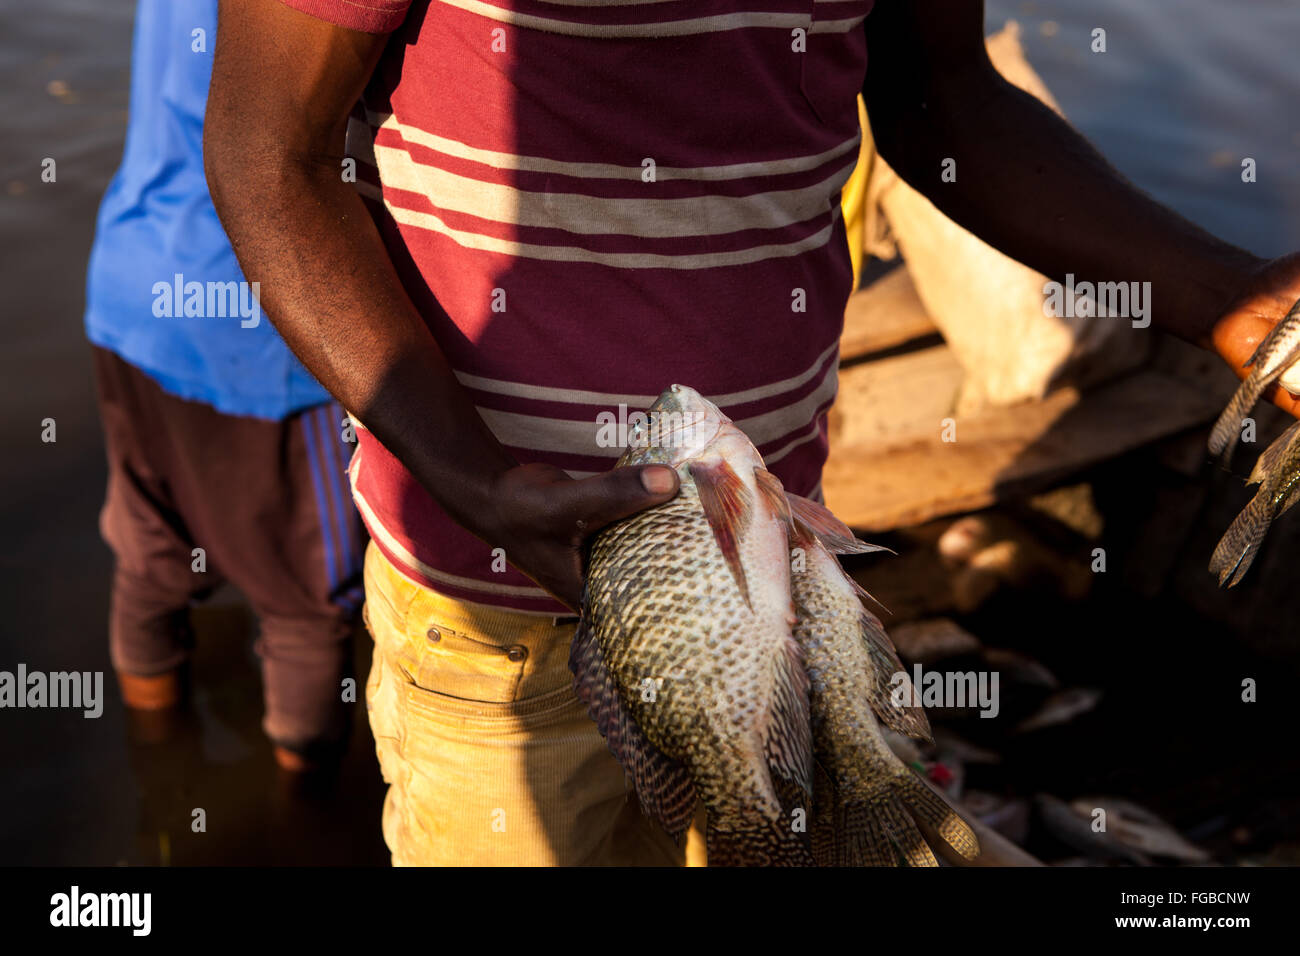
point(728, 505)
point(772, 491)
point(890, 683)
point(663, 785)
point(830, 530)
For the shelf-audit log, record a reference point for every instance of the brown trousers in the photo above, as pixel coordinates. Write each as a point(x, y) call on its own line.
point(267, 503)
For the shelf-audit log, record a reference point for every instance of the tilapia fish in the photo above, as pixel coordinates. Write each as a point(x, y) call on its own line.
point(865, 812)
point(692, 662)
point(1276, 353)
point(1277, 472)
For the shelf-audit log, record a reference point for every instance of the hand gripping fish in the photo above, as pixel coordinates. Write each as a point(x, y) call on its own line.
point(1276, 471)
point(696, 669)
point(1271, 360)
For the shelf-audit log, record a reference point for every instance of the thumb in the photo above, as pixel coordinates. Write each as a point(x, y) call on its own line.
point(602, 499)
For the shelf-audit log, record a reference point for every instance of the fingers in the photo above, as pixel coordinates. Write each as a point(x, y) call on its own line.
point(1284, 400)
point(602, 499)
point(586, 506)
point(1235, 338)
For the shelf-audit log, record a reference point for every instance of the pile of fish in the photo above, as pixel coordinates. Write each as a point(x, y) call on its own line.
point(726, 657)
point(1277, 471)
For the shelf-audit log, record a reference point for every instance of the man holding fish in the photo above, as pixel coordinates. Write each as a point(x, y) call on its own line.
point(539, 211)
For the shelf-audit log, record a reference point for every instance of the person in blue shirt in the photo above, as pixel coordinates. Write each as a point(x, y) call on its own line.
point(227, 460)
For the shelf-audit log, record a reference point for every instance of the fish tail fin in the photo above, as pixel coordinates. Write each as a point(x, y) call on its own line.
point(1240, 543)
point(880, 827)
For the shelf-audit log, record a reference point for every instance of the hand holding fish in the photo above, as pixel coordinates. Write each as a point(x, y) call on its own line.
point(542, 516)
point(1271, 351)
point(1260, 307)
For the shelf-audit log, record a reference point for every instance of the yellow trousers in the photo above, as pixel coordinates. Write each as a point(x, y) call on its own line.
point(489, 757)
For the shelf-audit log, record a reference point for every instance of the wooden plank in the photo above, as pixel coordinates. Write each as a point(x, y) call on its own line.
point(898, 480)
point(896, 398)
point(884, 315)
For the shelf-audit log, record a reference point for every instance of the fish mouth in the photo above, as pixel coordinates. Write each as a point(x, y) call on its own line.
point(677, 427)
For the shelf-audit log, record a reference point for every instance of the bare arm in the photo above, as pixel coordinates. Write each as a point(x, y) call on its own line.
point(1033, 187)
point(283, 84)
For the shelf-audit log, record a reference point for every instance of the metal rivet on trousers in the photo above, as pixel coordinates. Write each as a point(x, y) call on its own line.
point(434, 635)
point(517, 653)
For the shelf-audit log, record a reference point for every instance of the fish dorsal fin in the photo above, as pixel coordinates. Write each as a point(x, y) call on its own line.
point(662, 784)
point(728, 505)
point(832, 532)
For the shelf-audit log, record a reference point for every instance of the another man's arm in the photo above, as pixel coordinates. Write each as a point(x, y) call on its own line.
point(1031, 186)
point(283, 84)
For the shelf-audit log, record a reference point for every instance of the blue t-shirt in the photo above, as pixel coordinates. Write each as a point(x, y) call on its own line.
point(164, 290)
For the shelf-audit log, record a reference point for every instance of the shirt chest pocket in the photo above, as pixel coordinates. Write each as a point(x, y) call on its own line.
point(833, 61)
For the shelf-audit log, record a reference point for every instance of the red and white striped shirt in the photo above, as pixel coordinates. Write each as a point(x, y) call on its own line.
point(590, 200)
